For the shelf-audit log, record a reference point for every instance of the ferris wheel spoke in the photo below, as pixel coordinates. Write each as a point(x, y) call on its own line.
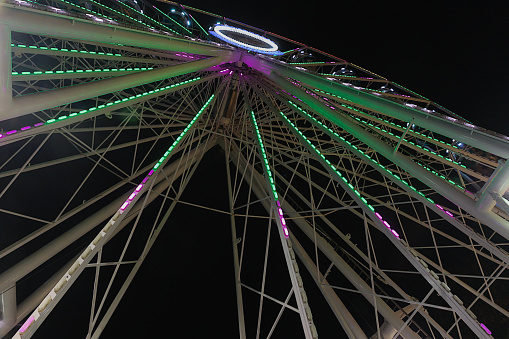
point(39, 101)
point(453, 303)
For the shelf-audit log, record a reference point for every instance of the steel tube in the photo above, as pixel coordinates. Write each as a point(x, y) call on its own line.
point(42, 100)
point(492, 220)
point(345, 318)
point(434, 123)
point(261, 192)
point(8, 308)
point(497, 185)
point(465, 134)
point(5, 65)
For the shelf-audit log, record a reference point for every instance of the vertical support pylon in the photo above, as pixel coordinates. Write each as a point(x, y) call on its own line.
point(5, 66)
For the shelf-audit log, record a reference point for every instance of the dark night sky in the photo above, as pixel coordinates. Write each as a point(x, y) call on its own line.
point(451, 52)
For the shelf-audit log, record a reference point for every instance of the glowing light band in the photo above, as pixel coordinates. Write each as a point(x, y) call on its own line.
point(217, 31)
point(271, 179)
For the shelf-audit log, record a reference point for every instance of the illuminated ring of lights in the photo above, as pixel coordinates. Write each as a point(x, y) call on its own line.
point(218, 32)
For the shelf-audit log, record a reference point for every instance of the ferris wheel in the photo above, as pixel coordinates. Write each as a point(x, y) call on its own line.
point(351, 204)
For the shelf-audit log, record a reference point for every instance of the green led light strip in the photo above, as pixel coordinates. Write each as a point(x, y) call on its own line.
point(269, 175)
point(63, 117)
point(119, 13)
point(145, 16)
point(265, 159)
point(86, 9)
point(173, 20)
point(85, 71)
point(64, 50)
point(342, 139)
point(332, 167)
point(389, 122)
point(412, 143)
point(396, 136)
point(197, 23)
point(182, 134)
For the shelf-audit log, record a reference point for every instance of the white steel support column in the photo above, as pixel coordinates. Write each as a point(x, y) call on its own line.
point(5, 65)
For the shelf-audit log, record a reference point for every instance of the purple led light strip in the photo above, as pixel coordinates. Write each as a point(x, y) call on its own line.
point(26, 325)
point(485, 328)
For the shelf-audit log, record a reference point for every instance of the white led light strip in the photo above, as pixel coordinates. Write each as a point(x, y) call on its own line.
point(218, 31)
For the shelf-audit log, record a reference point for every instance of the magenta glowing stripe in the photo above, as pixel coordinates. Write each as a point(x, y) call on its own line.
point(26, 325)
point(440, 207)
point(11, 132)
point(379, 216)
point(132, 196)
point(485, 328)
point(124, 205)
point(38, 124)
point(285, 231)
point(280, 211)
point(395, 233)
point(151, 172)
point(25, 128)
point(144, 180)
point(449, 214)
point(387, 224)
point(278, 203)
point(140, 186)
point(283, 221)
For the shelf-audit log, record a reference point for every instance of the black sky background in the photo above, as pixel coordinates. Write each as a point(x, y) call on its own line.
point(454, 53)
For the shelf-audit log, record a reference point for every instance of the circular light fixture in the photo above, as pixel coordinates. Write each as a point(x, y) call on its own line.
point(245, 39)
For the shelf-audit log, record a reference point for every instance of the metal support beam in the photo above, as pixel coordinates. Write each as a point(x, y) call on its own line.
point(9, 308)
point(31, 103)
point(496, 186)
point(345, 318)
point(260, 191)
point(113, 306)
point(403, 136)
point(492, 220)
point(236, 264)
point(438, 124)
point(44, 23)
point(5, 65)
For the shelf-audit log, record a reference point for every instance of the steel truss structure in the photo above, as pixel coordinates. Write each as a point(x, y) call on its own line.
point(340, 182)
